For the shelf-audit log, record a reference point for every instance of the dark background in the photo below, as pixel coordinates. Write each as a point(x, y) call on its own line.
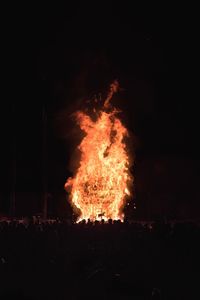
point(54, 58)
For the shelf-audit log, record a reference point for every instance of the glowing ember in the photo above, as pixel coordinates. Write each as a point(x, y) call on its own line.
point(100, 186)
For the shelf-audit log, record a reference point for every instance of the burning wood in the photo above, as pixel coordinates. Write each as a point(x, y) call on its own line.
point(100, 186)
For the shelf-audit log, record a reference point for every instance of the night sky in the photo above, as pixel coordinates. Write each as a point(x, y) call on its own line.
point(57, 58)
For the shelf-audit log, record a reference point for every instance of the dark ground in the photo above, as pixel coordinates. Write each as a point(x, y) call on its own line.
point(154, 260)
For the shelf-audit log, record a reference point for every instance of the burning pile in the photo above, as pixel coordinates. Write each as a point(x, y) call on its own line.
point(100, 187)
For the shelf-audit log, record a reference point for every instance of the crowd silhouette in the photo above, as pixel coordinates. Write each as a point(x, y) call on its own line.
point(114, 260)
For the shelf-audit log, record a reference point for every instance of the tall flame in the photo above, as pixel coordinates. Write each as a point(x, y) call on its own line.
point(100, 186)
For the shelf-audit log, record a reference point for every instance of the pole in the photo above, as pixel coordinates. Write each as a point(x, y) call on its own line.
point(44, 161)
point(14, 166)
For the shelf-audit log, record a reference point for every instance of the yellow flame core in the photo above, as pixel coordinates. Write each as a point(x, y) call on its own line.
point(100, 186)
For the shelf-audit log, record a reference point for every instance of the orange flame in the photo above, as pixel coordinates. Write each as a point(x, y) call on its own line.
point(100, 186)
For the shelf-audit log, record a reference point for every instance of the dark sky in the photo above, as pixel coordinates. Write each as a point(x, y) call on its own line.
point(58, 57)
